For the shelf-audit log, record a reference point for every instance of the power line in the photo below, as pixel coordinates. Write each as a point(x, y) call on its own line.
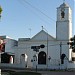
point(33, 12)
point(23, 3)
point(38, 10)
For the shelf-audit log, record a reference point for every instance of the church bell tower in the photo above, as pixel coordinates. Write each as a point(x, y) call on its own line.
point(64, 22)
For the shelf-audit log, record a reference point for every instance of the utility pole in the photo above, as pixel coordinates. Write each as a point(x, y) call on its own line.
point(60, 49)
point(72, 46)
point(60, 52)
point(47, 48)
point(36, 48)
point(47, 45)
point(0, 50)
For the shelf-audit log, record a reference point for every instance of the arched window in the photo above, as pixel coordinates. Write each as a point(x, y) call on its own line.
point(42, 58)
point(62, 14)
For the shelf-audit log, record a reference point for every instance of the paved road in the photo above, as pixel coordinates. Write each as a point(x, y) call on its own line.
point(46, 72)
point(4, 73)
point(56, 73)
point(52, 73)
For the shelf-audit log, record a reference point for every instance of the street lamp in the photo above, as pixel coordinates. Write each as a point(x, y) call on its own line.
point(0, 50)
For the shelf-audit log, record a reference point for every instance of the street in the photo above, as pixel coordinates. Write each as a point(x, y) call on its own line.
point(56, 73)
point(51, 73)
point(42, 72)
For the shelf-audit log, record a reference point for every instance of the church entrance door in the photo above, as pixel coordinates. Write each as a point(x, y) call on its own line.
point(42, 58)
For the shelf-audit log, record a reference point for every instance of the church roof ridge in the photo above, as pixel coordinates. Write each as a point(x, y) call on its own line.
point(44, 32)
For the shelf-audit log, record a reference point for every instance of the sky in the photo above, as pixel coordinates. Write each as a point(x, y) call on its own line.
point(25, 18)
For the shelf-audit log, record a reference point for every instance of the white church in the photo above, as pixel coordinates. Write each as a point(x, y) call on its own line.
point(54, 54)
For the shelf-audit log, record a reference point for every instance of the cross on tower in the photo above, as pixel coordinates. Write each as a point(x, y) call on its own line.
point(42, 27)
point(63, 1)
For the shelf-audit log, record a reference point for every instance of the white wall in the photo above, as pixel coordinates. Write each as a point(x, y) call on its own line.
point(24, 47)
point(10, 45)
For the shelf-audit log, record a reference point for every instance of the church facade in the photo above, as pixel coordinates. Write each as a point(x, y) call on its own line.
point(43, 50)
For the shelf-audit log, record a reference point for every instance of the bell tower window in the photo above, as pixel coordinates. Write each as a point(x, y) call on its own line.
point(62, 14)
